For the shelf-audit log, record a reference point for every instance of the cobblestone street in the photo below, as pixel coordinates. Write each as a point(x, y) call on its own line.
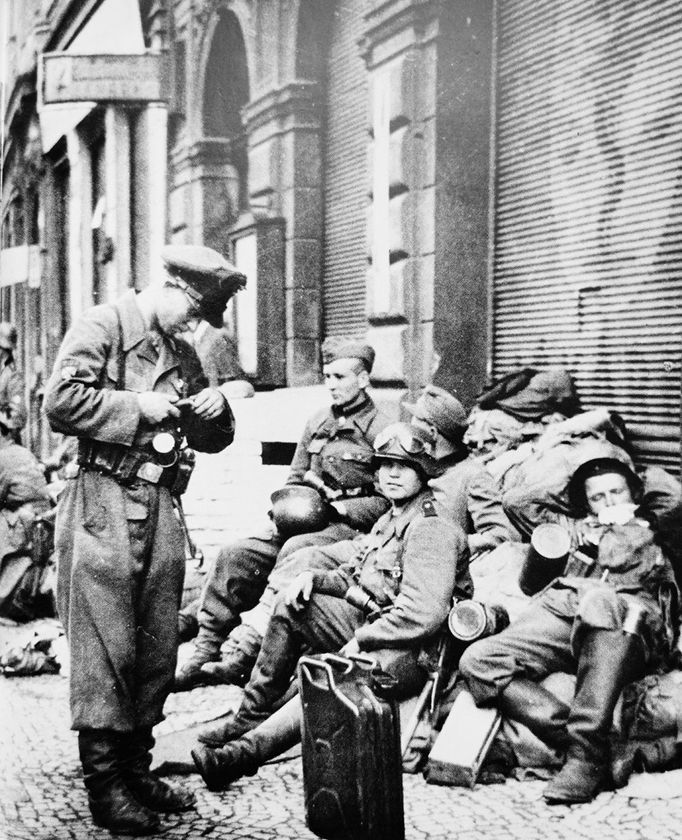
point(42, 796)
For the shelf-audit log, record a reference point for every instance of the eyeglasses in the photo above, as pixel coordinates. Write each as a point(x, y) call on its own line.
point(408, 441)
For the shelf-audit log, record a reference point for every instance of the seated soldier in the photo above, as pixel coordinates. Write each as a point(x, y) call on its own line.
point(465, 490)
point(335, 456)
point(23, 497)
point(607, 624)
point(537, 488)
point(12, 403)
point(412, 564)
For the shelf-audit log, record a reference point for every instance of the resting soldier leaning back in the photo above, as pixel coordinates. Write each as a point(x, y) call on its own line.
point(610, 616)
point(334, 455)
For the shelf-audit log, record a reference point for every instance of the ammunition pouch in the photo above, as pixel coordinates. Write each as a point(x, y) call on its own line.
point(183, 471)
point(127, 465)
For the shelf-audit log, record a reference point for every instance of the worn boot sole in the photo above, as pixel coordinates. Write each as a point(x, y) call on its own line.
point(217, 772)
point(123, 825)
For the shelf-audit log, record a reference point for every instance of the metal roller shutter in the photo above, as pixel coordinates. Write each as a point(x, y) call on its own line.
point(345, 194)
point(587, 261)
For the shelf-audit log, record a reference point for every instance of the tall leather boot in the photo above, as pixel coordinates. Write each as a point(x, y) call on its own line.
point(609, 659)
point(147, 787)
point(242, 757)
point(239, 655)
point(206, 649)
point(541, 711)
point(269, 680)
point(112, 805)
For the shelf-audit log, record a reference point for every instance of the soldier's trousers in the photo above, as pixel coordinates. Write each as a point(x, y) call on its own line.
point(121, 566)
point(240, 573)
point(323, 626)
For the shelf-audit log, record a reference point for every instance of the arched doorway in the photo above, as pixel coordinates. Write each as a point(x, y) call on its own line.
point(223, 148)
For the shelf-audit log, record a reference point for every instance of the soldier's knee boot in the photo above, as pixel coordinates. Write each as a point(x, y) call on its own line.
point(112, 804)
point(147, 787)
point(538, 709)
point(242, 757)
point(269, 681)
point(188, 675)
point(609, 659)
point(238, 657)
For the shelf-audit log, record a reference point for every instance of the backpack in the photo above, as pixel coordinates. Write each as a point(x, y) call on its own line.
point(652, 708)
point(505, 387)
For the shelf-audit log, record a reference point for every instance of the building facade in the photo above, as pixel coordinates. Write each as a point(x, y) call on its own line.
point(472, 185)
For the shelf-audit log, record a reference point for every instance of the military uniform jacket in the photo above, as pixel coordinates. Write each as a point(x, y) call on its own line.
point(469, 494)
point(413, 562)
point(84, 396)
point(23, 493)
point(337, 445)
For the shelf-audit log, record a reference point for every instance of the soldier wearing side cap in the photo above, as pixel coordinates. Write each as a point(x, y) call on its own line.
point(334, 456)
point(132, 390)
point(465, 489)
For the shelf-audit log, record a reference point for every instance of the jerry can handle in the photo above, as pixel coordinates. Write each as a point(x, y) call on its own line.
point(307, 665)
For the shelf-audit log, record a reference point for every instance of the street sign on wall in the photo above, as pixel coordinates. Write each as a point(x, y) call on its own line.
point(103, 78)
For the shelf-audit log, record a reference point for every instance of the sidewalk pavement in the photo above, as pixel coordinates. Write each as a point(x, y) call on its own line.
point(41, 791)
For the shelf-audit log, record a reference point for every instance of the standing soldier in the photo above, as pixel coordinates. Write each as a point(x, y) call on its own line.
point(131, 389)
point(12, 402)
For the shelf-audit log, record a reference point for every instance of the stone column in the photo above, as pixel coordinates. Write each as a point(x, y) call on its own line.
point(283, 127)
point(117, 219)
point(151, 182)
point(79, 245)
point(464, 166)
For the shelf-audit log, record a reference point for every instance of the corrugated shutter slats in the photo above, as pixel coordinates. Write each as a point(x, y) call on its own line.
point(587, 264)
point(345, 197)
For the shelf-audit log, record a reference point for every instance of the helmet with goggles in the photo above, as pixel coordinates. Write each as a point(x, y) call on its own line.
point(406, 443)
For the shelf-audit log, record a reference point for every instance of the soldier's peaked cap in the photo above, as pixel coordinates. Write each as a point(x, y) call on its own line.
point(336, 347)
point(212, 279)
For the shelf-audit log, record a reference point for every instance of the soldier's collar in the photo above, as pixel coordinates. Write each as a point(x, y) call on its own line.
point(354, 407)
point(404, 515)
point(133, 327)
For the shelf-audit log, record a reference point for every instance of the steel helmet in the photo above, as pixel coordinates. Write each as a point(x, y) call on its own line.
point(298, 509)
point(611, 460)
point(403, 442)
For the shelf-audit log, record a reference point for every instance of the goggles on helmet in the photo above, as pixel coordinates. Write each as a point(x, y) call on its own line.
point(404, 436)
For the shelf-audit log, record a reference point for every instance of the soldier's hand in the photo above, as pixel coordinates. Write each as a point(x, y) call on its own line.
point(298, 592)
point(351, 648)
point(155, 407)
point(208, 403)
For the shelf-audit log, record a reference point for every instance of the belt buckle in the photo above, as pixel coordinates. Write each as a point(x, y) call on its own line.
point(150, 472)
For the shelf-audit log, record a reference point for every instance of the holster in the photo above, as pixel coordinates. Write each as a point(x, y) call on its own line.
point(184, 469)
